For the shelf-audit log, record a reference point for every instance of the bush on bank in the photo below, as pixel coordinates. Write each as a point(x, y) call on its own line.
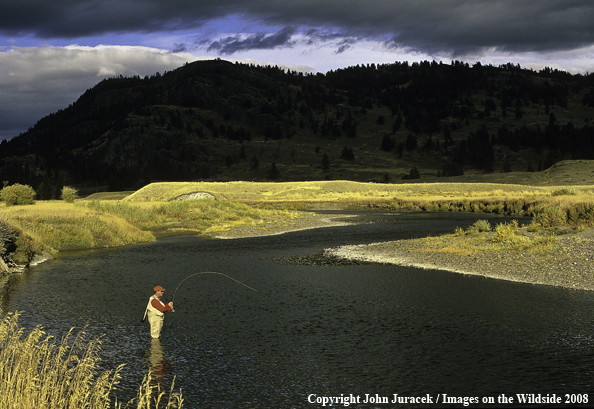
point(69, 194)
point(18, 194)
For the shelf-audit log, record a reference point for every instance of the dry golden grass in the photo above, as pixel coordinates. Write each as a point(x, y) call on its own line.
point(333, 191)
point(577, 176)
point(36, 371)
point(505, 237)
point(153, 209)
point(470, 197)
point(57, 225)
point(61, 225)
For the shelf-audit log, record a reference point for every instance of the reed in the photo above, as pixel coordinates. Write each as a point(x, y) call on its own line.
point(37, 371)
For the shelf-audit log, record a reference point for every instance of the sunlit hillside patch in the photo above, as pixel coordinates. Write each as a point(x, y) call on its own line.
point(346, 191)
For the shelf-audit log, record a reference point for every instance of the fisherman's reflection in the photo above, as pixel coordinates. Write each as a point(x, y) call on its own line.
point(159, 365)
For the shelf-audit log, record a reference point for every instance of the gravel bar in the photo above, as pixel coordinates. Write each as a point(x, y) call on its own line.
point(568, 264)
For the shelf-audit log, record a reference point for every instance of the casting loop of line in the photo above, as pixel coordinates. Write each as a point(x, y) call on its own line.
point(211, 272)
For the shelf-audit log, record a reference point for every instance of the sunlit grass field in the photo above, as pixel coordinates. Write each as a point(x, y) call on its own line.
point(353, 192)
point(60, 225)
point(576, 177)
point(112, 219)
point(56, 225)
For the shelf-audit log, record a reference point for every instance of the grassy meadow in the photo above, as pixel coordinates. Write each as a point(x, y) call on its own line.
point(52, 226)
point(508, 199)
point(115, 219)
point(565, 183)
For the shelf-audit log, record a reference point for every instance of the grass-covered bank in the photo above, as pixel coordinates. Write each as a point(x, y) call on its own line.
point(503, 199)
point(561, 205)
point(51, 226)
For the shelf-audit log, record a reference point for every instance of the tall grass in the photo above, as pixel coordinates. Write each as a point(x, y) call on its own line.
point(37, 371)
point(145, 214)
point(59, 225)
point(189, 215)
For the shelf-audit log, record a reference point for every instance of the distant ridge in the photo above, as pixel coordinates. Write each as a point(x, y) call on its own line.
point(219, 121)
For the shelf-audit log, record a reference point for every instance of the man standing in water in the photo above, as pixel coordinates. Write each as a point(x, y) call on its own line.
point(155, 310)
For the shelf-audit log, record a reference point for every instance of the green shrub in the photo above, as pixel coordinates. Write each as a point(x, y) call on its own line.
point(506, 233)
point(430, 207)
point(17, 194)
point(480, 226)
point(581, 214)
point(499, 208)
point(69, 194)
point(563, 192)
point(550, 216)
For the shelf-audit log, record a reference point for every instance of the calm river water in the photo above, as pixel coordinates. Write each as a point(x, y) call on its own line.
point(315, 331)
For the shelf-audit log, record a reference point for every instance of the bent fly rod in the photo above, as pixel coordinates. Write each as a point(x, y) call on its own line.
point(209, 272)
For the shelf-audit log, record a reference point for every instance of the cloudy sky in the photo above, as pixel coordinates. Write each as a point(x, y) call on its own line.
point(52, 51)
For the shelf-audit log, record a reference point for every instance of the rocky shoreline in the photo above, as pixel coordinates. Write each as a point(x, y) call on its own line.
point(570, 264)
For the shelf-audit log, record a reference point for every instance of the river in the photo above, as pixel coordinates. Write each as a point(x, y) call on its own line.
point(312, 331)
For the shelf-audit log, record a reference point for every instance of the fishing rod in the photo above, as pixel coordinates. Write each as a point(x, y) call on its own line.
point(210, 272)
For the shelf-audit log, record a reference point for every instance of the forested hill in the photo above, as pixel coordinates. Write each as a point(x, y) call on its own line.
point(214, 120)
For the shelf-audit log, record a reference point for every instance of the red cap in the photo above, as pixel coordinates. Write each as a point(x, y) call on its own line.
point(159, 288)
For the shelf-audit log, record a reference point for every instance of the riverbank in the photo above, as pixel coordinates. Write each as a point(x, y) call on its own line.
point(568, 264)
point(305, 221)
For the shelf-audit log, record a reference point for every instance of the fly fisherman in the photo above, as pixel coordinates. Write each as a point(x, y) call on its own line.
point(155, 310)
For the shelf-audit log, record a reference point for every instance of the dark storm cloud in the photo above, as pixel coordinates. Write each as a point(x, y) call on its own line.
point(456, 26)
point(259, 41)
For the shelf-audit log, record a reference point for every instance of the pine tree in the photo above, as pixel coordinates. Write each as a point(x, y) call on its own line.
point(325, 162)
point(273, 173)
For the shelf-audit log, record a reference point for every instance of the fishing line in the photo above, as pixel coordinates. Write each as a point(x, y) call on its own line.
point(210, 272)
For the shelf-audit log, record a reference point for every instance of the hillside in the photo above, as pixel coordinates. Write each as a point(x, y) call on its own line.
point(218, 121)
